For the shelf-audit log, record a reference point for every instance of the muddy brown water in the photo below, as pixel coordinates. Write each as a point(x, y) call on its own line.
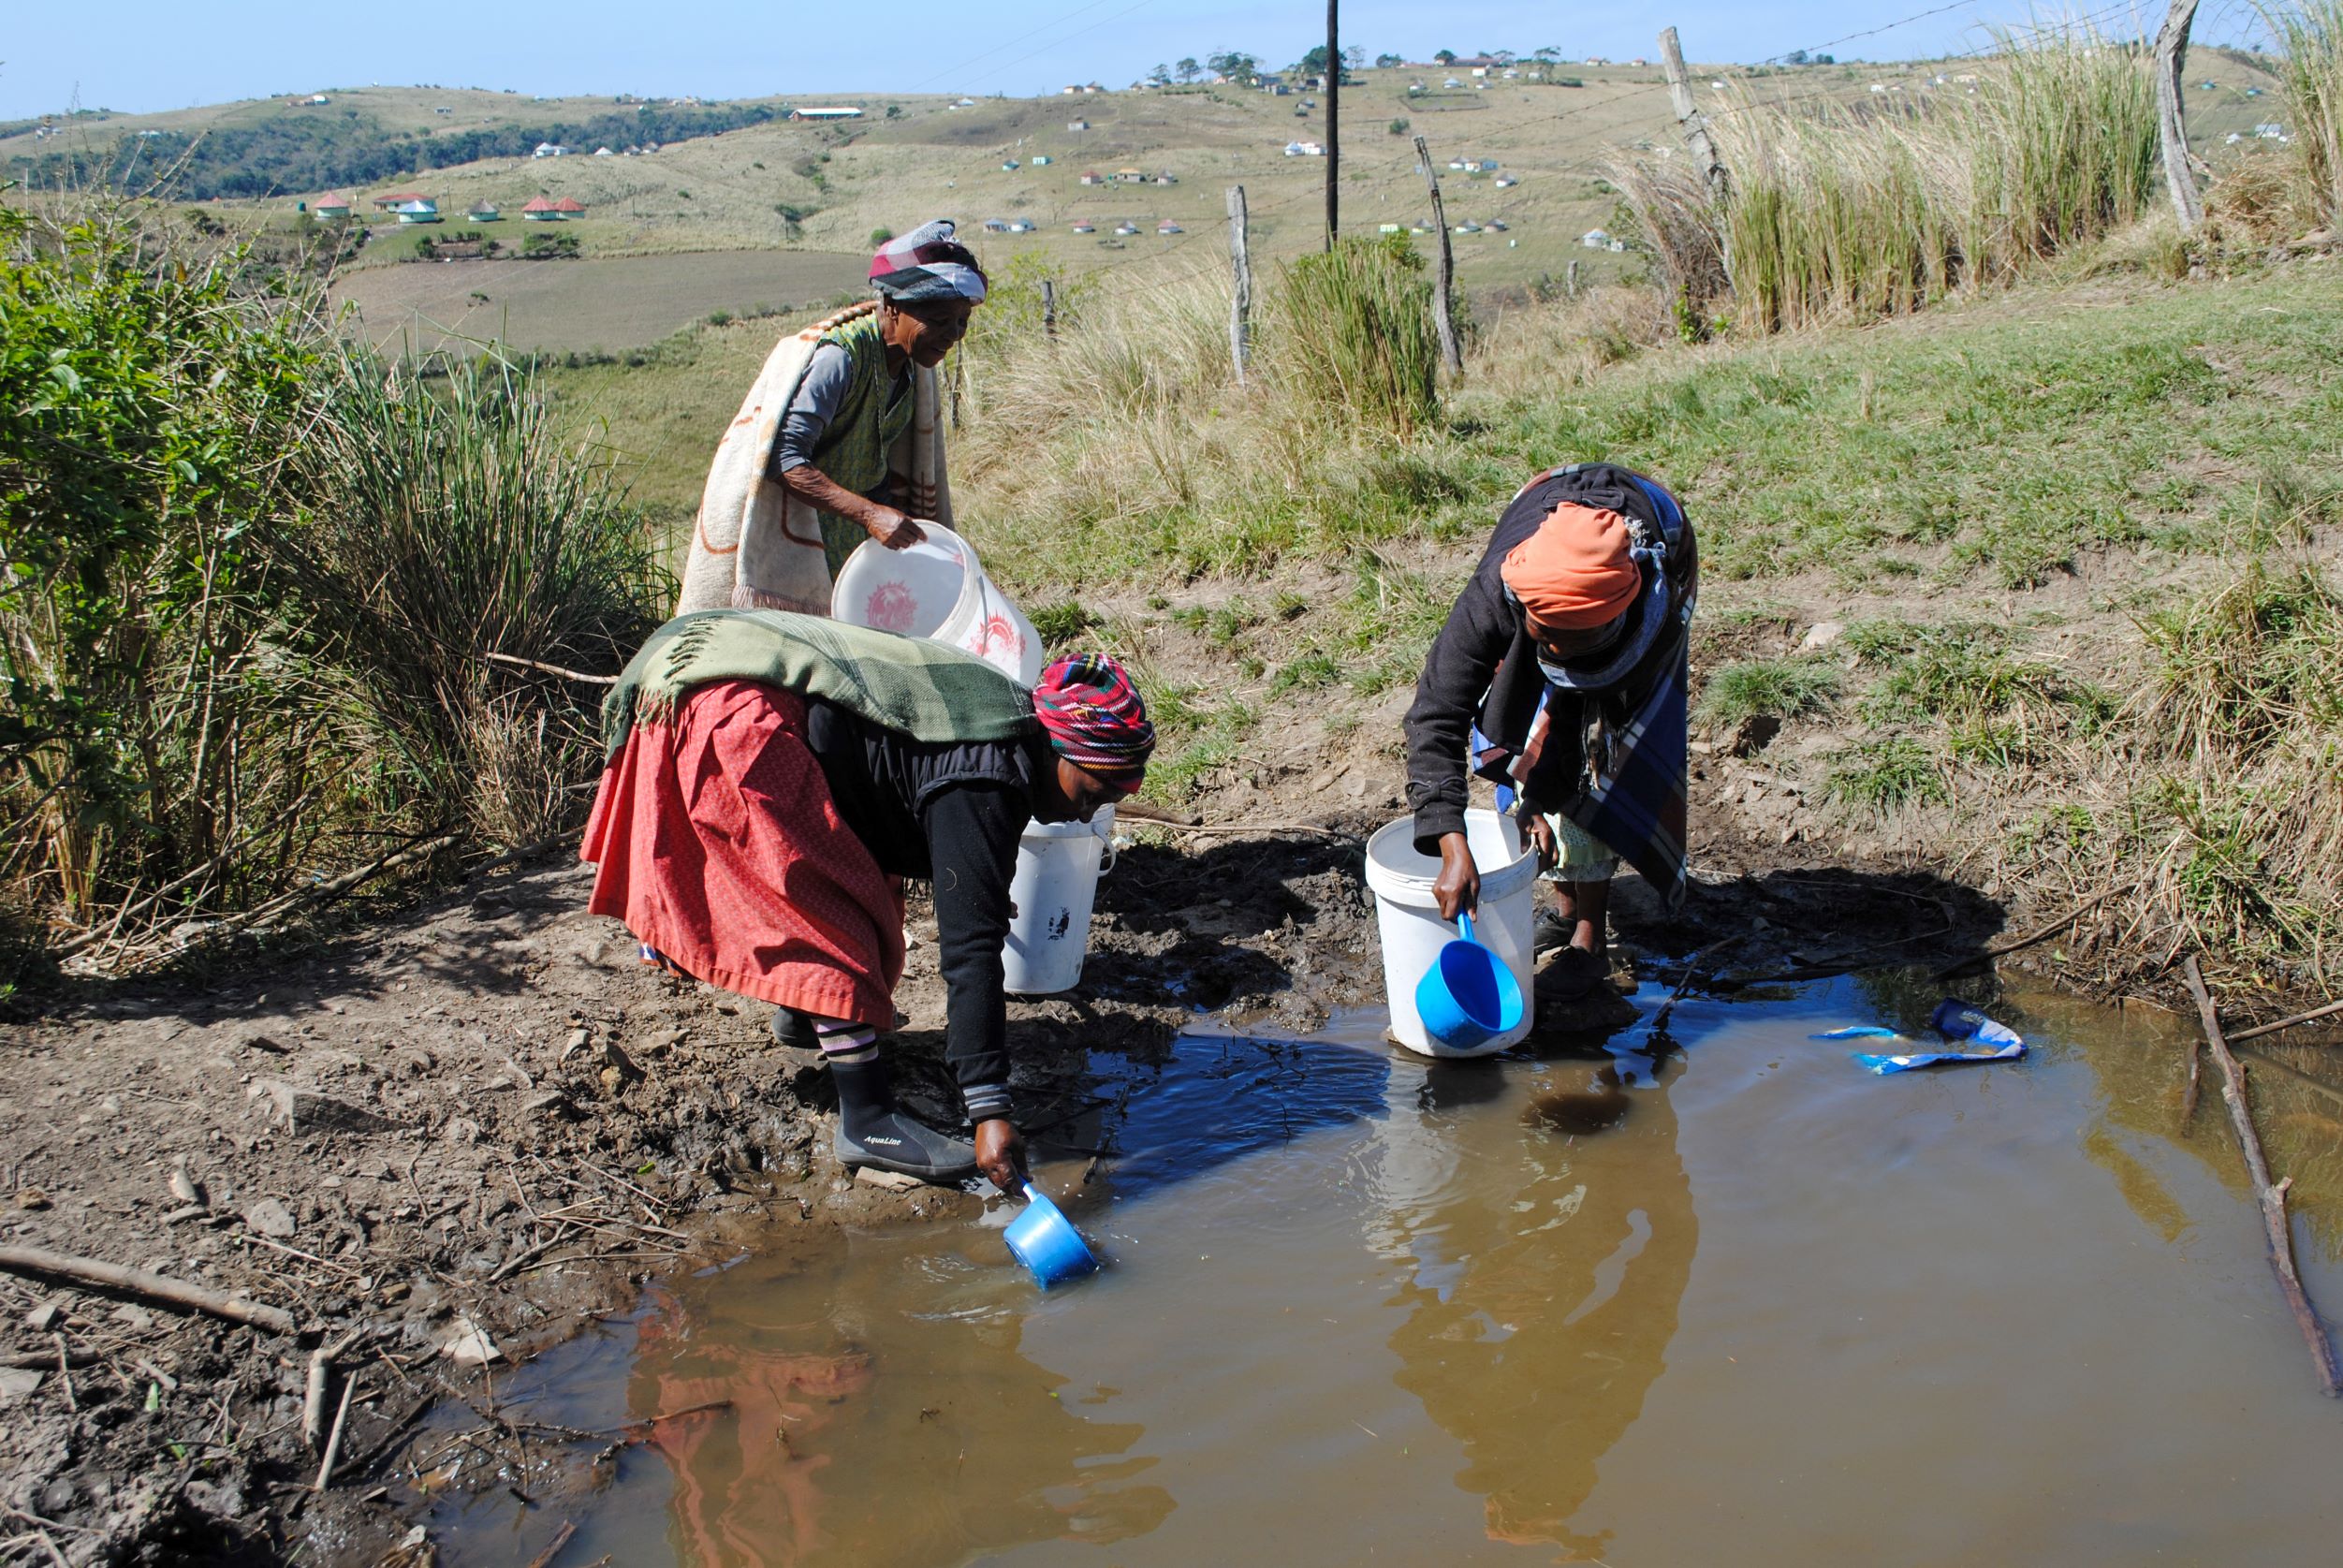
point(1721, 1298)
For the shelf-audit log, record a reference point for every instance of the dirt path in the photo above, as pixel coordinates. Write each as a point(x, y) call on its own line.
point(482, 1122)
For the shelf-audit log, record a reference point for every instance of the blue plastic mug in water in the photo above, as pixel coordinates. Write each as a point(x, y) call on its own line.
point(1047, 1243)
point(1467, 996)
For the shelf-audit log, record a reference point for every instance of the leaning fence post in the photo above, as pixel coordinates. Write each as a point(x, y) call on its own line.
point(1241, 300)
point(1696, 137)
point(1048, 307)
point(2171, 56)
point(1445, 279)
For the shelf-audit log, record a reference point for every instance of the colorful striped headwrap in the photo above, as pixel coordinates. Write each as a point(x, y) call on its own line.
point(926, 264)
point(1095, 717)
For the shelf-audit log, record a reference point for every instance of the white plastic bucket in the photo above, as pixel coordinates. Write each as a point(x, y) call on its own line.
point(937, 589)
point(1408, 917)
point(1058, 868)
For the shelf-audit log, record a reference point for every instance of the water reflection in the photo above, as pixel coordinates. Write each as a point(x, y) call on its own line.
point(1547, 1271)
point(869, 1394)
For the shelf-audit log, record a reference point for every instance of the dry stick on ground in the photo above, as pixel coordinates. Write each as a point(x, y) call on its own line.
point(2271, 1196)
point(320, 1377)
point(333, 1442)
point(154, 1287)
point(2259, 1030)
point(2040, 933)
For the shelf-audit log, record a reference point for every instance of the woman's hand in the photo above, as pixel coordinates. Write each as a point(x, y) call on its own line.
point(1457, 888)
point(1001, 1153)
point(1541, 835)
point(895, 530)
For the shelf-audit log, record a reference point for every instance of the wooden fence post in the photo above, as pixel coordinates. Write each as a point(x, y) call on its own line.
point(1688, 116)
point(1334, 120)
point(2171, 56)
point(1444, 280)
point(1573, 289)
point(1240, 302)
point(1048, 307)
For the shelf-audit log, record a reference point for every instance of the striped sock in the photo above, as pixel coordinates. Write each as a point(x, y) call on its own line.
point(843, 1041)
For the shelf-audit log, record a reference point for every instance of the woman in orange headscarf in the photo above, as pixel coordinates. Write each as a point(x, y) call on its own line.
point(1560, 677)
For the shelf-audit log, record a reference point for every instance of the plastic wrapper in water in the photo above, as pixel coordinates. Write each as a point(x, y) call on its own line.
point(1956, 1023)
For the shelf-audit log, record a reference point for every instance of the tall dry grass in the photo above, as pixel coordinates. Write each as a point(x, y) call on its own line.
point(1124, 446)
point(2311, 72)
point(1838, 214)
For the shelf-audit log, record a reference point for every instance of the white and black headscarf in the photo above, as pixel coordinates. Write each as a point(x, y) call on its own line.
point(926, 265)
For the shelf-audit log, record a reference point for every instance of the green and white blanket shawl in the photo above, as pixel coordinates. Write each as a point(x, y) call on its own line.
point(924, 689)
point(755, 545)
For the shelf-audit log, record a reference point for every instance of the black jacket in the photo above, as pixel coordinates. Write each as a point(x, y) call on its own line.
point(950, 814)
point(1484, 670)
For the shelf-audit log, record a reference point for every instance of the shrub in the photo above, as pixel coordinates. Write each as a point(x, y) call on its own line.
point(1357, 334)
point(251, 577)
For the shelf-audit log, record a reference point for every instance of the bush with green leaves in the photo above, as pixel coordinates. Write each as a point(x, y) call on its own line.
point(248, 580)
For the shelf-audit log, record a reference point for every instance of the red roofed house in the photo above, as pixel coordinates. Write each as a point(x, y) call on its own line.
point(569, 207)
point(333, 204)
point(540, 210)
point(398, 198)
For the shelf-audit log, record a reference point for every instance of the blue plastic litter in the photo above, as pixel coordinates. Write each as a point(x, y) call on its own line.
point(1957, 1021)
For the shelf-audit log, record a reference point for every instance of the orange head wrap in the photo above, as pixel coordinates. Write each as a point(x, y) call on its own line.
point(1574, 572)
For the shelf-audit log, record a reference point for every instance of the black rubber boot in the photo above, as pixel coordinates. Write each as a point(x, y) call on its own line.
point(873, 1131)
point(792, 1028)
point(1547, 930)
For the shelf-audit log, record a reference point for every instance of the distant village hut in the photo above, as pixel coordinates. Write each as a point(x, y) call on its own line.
point(484, 212)
point(333, 205)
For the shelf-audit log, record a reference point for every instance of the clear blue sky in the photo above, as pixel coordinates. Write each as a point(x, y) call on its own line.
point(140, 56)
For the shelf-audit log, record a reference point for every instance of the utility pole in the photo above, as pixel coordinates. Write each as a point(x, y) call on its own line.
point(1240, 302)
point(2171, 56)
point(1443, 319)
point(1334, 119)
point(1696, 138)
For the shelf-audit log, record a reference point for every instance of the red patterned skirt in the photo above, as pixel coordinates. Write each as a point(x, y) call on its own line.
point(718, 843)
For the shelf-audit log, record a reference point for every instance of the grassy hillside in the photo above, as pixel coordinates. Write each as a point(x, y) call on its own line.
point(2043, 588)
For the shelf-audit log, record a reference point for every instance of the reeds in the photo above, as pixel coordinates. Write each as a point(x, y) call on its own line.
point(1838, 214)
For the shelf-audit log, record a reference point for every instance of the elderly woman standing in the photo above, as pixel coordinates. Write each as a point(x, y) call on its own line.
point(839, 440)
point(770, 781)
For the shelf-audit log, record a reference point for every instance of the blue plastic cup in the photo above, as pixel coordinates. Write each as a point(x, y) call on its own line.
point(1047, 1243)
point(1466, 997)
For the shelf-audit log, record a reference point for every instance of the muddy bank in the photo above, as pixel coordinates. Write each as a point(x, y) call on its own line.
point(464, 1132)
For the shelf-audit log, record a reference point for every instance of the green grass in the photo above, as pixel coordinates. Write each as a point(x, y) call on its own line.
point(1784, 688)
point(1884, 775)
point(2106, 428)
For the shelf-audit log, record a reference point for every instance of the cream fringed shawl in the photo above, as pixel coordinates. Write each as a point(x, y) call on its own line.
point(755, 545)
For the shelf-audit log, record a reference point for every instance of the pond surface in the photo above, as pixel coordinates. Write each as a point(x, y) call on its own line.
point(1738, 1302)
